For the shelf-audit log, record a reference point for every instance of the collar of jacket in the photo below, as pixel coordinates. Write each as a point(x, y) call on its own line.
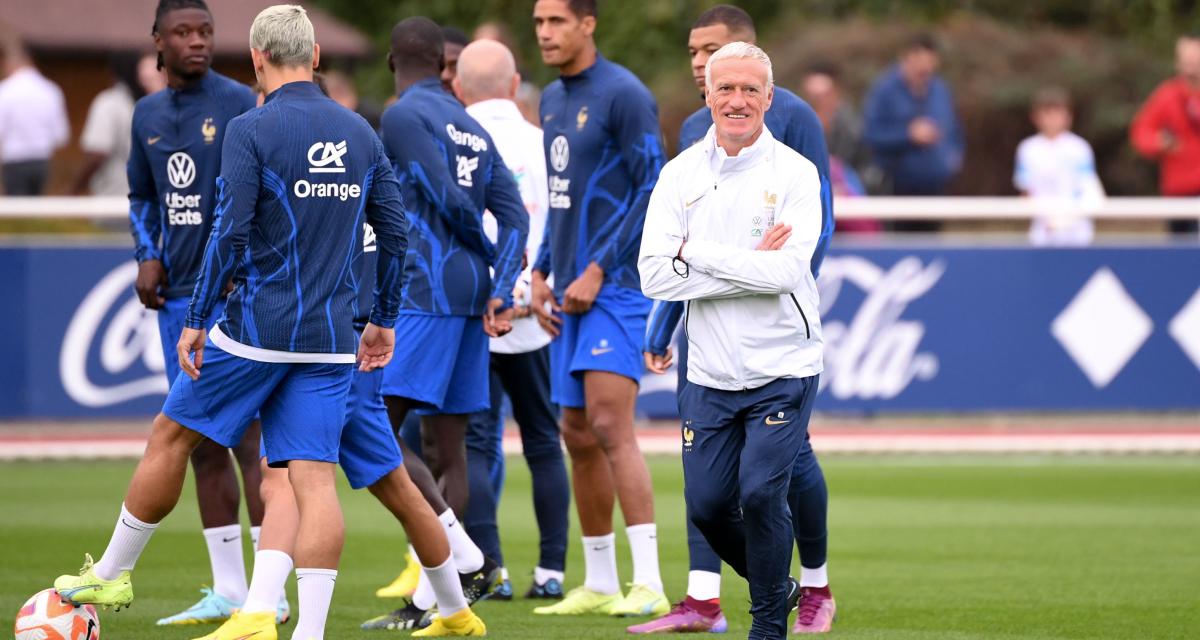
point(495, 109)
point(762, 150)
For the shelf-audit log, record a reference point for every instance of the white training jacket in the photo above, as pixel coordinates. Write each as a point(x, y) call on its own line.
point(751, 315)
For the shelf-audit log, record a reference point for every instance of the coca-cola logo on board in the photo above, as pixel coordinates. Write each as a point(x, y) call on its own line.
point(130, 337)
point(877, 354)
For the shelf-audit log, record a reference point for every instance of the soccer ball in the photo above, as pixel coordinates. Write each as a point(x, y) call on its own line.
point(45, 616)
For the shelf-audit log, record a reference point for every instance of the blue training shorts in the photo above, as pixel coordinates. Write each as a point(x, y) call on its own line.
point(302, 405)
point(440, 363)
point(171, 318)
point(608, 337)
point(369, 450)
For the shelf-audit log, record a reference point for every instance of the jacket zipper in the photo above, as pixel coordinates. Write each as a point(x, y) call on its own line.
point(807, 331)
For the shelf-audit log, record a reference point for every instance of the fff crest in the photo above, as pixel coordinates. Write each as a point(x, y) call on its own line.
point(208, 130)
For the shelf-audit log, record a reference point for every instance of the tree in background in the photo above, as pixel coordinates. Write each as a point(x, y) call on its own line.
point(1109, 53)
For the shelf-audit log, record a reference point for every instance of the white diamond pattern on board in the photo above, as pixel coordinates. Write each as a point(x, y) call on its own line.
point(1185, 328)
point(1102, 327)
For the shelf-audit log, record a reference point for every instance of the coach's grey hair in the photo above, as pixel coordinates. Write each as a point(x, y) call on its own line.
point(285, 34)
point(739, 51)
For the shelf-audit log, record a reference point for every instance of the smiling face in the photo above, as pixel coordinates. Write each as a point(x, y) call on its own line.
point(185, 39)
point(739, 97)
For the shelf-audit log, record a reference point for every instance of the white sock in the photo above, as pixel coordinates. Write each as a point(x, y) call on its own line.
point(702, 585)
point(503, 573)
point(128, 540)
point(424, 597)
point(228, 565)
point(255, 534)
point(600, 563)
point(447, 590)
point(467, 556)
point(818, 577)
point(542, 576)
point(643, 545)
point(271, 569)
point(315, 590)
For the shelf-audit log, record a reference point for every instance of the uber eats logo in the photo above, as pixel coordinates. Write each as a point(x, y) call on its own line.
point(326, 157)
point(182, 208)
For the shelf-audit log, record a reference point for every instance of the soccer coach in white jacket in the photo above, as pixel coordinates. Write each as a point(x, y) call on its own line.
point(731, 229)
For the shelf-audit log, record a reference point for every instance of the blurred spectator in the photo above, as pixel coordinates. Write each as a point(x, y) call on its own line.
point(150, 77)
point(497, 31)
point(529, 100)
point(1167, 128)
point(106, 132)
point(843, 127)
point(1058, 170)
point(850, 168)
point(340, 87)
point(33, 122)
point(912, 128)
point(454, 40)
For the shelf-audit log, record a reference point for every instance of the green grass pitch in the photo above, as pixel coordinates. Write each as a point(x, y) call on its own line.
point(920, 547)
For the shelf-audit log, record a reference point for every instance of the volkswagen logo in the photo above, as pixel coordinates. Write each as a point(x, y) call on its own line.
point(181, 170)
point(560, 154)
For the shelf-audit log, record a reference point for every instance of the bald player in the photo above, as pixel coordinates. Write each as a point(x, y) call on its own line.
point(487, 83)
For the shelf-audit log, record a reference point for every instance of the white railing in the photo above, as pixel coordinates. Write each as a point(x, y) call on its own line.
point(879, 208)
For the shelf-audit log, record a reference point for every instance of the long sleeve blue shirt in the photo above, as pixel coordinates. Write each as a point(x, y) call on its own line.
point(890, 108)
point(793, 122)
point(603, 154)
point(174, 160)
point(449, 172)
point(299, 178)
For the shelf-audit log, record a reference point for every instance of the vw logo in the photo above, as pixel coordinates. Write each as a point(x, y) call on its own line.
point(181, 170)
point(560, 154)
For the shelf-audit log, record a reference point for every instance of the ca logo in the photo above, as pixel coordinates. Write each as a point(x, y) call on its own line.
point(331, 154)
point(466, 169)
point(560, 154)
point(181, 170)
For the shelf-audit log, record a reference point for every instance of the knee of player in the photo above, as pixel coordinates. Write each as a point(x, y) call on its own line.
point(806, 478)
point(171, 434)
point(211, 457)
point(275, 485)
point(579, 439)
point(761, 494)
point(708, 507)
point(612, 431)
point(539, 452)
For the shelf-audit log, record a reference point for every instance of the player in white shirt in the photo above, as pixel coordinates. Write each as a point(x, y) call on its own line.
point(33, 123)
point(1057, 168)
point(487, 83)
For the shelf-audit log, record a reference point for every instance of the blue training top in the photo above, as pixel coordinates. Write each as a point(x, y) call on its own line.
point(299, 177)
point(603, 154)
point(793, 122)
point(449, 171)
point(173, 163)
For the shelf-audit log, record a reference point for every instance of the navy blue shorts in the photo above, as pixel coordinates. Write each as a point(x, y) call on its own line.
point(440, 363)
point(302, 405)
point(608, 337)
